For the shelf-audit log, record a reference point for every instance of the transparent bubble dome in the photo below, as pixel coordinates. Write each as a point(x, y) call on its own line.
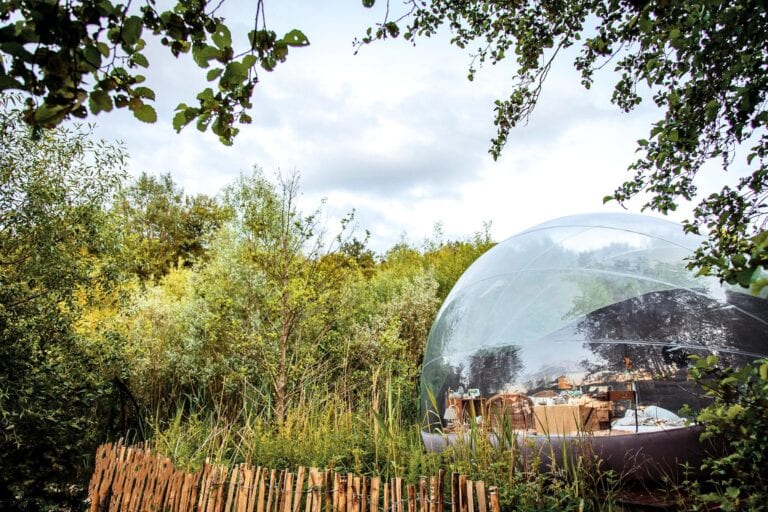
point(583, 305)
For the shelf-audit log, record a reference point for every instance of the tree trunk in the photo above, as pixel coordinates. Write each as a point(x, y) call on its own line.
point(282, 373)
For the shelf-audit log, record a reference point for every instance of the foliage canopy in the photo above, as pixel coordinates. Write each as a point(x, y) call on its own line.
point(86, 57)
point(703, 63)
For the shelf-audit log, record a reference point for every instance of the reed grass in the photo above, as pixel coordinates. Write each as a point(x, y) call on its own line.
point(326, 432)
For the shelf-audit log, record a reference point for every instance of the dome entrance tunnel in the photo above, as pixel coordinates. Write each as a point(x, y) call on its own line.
point(583, 325)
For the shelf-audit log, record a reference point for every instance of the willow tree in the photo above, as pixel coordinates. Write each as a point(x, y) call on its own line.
point(303, 294)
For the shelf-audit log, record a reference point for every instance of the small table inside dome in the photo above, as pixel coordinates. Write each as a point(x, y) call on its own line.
point(462, 409)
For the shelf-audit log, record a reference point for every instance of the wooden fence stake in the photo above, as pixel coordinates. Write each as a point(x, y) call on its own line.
point(288, 492)
point(364, 494)
point(220, 496)
point(210, 504)
point(440, 490)
point(423, 490)
point(310, 493)
point(481, 503)
point(341, 490)
point(374, 505)
point(399, 491)
point(470, 497)
point(204, 487)
point(410, 490)
point(317, 481)
point(433, 494)
point(271, 492)
point(455, 499)
point(335, 494)
point(494, 493)
point(258, 490)
point(350, 494)
point(242, 492)
point(355, 494)
point(328, 487)
point(298, 488)
point(231, 490)
point(463, 493)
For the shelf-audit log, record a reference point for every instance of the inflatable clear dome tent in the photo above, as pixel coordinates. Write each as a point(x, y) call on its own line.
point(583, 325)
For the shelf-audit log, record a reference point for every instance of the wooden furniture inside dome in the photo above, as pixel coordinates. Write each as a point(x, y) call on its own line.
point(514, 408)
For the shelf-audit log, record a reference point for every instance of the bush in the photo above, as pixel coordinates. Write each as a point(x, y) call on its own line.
point(738, 418)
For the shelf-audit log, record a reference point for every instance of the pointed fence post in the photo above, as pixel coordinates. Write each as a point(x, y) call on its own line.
point(494, 493)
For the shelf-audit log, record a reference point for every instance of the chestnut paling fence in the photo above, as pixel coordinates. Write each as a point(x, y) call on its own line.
point(136, 479)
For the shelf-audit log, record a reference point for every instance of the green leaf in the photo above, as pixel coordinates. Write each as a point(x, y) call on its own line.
point(368, 3)
point(280, 51)
point(47, 115)
point(6, 82)
point(140, 60)
point(179, 120)
point(214, 74)
point(249, 60)
point(144, 92)
point(16, 50)
point(206, 95)
point(235, 72)
point(92, 57)
point(204, 53)
point(222, 37)
point(202, 122)
point(145, 113)
point(131, 30)
point(183, 117)
point(99, 101)
point(745, 277)
point(296, 38)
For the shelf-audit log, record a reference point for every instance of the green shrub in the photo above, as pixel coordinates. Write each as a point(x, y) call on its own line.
point(738, 418)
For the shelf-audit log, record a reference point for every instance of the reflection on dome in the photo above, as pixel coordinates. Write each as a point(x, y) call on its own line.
point(595, 314)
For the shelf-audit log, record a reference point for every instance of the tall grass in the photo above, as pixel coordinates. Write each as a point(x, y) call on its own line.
point(322, 432)
point(531, 477)
point(381, 441)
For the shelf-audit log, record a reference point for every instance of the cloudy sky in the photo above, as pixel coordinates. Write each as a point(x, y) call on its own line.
point(396, 132)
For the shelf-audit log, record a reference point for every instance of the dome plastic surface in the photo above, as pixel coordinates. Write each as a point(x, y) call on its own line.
point(583, 305)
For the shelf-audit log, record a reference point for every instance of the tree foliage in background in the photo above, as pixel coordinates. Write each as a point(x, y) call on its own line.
point(52, 412)
point(304, 293)
point(162, 227)
point(86, 57)
point(272, 308)
point(703, 62)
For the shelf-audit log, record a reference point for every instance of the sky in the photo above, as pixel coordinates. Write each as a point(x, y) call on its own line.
point(396, 133)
